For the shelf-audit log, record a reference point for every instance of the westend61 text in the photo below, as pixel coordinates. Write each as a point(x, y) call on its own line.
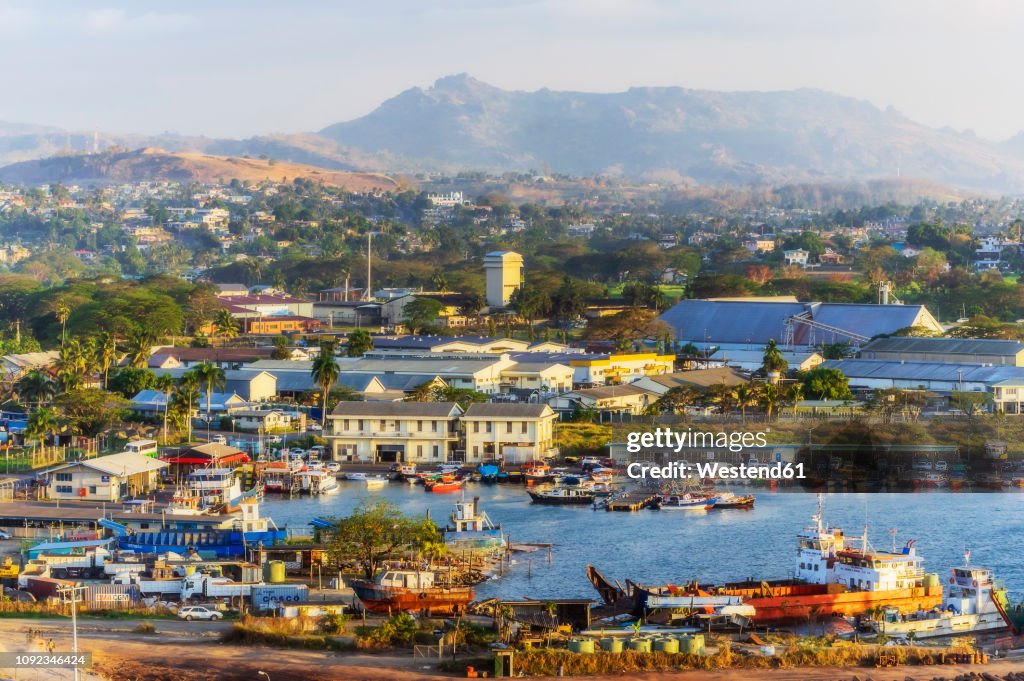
point(678, 470)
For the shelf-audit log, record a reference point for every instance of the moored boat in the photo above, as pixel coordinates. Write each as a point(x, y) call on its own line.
point(471, 528)
point(730, 500)
point(558, 496)
point(445, 484)
point(411, 591)
point(686, 502)
point(375, 482)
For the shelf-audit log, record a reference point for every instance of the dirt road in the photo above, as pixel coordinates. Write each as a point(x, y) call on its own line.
point(190, 651)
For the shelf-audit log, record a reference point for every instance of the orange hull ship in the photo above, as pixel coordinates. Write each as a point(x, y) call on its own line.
point(834, 576)
point(410, 591)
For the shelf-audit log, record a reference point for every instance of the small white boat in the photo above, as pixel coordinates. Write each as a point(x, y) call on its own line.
point(686, 502)
point(375, 482)
point(355, 476)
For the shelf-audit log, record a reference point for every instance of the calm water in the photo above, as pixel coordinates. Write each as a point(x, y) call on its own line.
point(658, 547)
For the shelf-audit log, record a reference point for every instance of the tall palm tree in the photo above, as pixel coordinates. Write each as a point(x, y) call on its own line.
point(106, 355)
point(187, 393)
point(225, 325)
point(63, 311)
point(211, 377)
point(35, 387)
point(325, 372)
point(768, 397)
point(72, 365)
point(139, 345)
point(744, 395)
point(42, 422)
point(165, 384)
point(773, 362)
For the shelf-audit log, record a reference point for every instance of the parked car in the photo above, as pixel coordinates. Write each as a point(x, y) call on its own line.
point(198, 612)
point(313, 425)
point(4, 535)
point(219, 439)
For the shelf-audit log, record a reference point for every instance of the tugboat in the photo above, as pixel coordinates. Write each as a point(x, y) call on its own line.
point(562, 496)
point(411, 591)
point(834, 576)
point(471, 528)
point(972, 604)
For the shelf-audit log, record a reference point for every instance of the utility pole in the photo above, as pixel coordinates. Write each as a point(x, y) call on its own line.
point(368, 295)
point(73, 593)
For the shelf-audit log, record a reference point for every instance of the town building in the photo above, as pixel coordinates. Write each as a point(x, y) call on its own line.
point(610, 402)
point(504, 272)
point(946, 350)
point(378, 432)
point(105, 478)
point(508, 432)
point(699, 379)
point(614, 369)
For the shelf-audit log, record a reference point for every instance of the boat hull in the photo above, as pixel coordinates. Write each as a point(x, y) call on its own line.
point(433, 600)
point(574, 500)
point(943, 626)
point(791, 602)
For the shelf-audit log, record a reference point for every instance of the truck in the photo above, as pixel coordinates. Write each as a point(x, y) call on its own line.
point(214, 587)
point(88, 564)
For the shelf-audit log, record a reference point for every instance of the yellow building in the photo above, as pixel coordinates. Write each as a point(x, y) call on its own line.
point(624, 368)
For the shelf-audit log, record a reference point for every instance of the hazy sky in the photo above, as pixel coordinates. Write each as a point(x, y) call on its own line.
point(242, 68)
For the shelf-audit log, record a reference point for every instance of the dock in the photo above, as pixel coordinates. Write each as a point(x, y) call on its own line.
point(633, 501)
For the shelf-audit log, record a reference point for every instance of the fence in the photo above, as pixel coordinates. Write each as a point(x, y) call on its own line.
point(27, 459)
point(437, 651)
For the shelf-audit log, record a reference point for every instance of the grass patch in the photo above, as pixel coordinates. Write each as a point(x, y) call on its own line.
point(575, 439)
point(295, 632)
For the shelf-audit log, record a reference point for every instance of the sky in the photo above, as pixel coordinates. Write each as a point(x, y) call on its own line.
point(236, 69)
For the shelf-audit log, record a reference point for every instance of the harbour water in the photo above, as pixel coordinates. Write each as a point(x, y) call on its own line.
point(656, 547)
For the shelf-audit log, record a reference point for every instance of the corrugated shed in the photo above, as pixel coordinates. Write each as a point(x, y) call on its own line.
point(946, 346)
point(925, 371)
point(730, 321)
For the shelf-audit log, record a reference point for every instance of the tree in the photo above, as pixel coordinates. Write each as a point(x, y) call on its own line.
point(35, 387)
point(325, 372)
point(71, 365)
point(745, 395)
point(530, 302)
point(376, 530)
point(970, 403)
point(641, 294)
point(211, 377)
point(359, 343)
point(165, 384)
point(106, 354)
point(567, 302)
point(472, 304)
point(824, 383)
point(773, 362)
point(225, 325)
point(839, 350)
point(421, 314)
point(724, 396)
point(768, 398)
point(63, 311)
point(42, 422)
point(128, 381)
point(91, 411)
point(677, 399)
point(628, 326)
point(281, 349)
point(139, 345)
point(183, 402)
point(439, 281)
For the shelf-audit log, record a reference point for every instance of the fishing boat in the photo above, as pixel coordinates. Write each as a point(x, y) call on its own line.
point(411, 591)
point(277, 477)
point(972, 604)
point(835, 575)
point(218, 489)
point(536, 471)
point(602, 475)
point(562, 496)
point(730, 500)
point(488, 472)
point(686, 502)
point(444, 485)
point(471, 529)
point(314, 481)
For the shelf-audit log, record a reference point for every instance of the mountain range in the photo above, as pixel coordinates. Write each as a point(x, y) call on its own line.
point(657, 134)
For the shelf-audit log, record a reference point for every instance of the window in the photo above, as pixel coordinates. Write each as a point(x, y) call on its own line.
point(508, 426)
point(63, 489)
point(419, 451)
point(383, 425)
point(476, 426)
point(437, 451)
point(419, 426)
point(433, 426)
point(523, 430)
point(346, 424)
point(816, 567)
point(92, 489)
point(63, 477)
point(360, 424)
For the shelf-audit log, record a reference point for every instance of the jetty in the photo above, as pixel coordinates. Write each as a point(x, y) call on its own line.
point(633, 501)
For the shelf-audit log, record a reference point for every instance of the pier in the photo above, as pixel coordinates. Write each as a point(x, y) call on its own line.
point(636, 500)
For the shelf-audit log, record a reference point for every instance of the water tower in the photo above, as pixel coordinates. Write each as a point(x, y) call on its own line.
point(504, 275)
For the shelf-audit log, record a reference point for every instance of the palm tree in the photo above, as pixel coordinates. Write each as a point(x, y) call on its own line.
point(35, 387)
point(773, 362)
point(71, 365)
point(768, 397)
point(211, 376)
point(106, 355)
point(325, 372)
point(139, 346)
point(745, 395)
point(187, 393)
point(225, 325)
point(165, 384)
point(41, 423)
point(63, 311)
point(724, 396)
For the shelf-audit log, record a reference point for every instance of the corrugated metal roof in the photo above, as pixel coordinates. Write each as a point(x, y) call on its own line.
point(507, 410)
point(701, 378)
point(607, 391)
point(949, 346)
point(125, 463)
point(393, 409)
point(924, 371)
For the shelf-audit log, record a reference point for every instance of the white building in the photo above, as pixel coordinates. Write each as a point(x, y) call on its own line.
point(504, 270)
point(508, 432)
point(376, 432)
point(105, 478)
